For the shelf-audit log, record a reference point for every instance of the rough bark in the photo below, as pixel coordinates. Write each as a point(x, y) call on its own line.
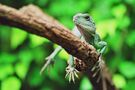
point(33, 20)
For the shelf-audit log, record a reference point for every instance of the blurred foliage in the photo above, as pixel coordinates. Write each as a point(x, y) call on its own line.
point(22, 54)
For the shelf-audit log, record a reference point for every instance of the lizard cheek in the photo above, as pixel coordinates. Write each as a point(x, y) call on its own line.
point(76, 22)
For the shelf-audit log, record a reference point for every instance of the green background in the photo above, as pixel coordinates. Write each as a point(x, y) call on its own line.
point(22, 54)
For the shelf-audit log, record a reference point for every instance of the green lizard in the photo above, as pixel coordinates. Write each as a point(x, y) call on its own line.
point(86, 26)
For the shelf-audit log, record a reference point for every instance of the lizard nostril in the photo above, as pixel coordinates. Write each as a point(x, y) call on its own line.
point(74, 19)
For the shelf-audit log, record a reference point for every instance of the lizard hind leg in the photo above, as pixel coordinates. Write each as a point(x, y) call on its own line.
point(98, 68)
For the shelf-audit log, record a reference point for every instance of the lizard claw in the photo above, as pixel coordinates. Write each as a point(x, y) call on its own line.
point(49, 62)
point(99, 64)
point(98, 67)
point(71, 72)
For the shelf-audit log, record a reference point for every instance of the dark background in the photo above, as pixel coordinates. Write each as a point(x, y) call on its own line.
point(22, 54)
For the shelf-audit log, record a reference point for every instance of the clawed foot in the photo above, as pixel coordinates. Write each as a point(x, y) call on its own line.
point(98, 67)
point(71, 72)
point(49, 62)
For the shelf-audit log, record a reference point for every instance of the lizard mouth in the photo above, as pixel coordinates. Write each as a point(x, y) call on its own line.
point(75, 20)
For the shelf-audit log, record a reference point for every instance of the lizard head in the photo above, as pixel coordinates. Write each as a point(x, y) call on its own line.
point(84, 23)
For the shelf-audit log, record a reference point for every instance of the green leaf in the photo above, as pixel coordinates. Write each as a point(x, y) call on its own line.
point(83, 5)
point(56, 10)
point(4, 32)
point(53, 74)
point(85, 84)
point(39, 54)
point(130, 2)
point(107, 27)
point(63, 55)
point(130, 85)
point(5, 70)
point(25, 56)
point(114, 62)
point(11, 83)
point(119, 81)
point(36, 40)
point(21, 69)
point(101, 10)
point(7, 58)
point(127, 69)
point(60, 65)
point(130, 39)
point(68, 22)
point(35, 77)
point(123, 22)
point(115, 42)
point(119, 11)
point(17, 37)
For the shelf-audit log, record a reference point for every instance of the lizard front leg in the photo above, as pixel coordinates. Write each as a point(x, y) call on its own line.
point(71, 71)
point(50, 58)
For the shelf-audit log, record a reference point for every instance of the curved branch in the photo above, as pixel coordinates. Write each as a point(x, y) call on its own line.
point(33, 20)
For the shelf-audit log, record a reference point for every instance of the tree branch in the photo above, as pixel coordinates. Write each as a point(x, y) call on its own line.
point(33, 20)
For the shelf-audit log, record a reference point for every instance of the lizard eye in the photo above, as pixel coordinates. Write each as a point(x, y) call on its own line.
point(87, 18)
